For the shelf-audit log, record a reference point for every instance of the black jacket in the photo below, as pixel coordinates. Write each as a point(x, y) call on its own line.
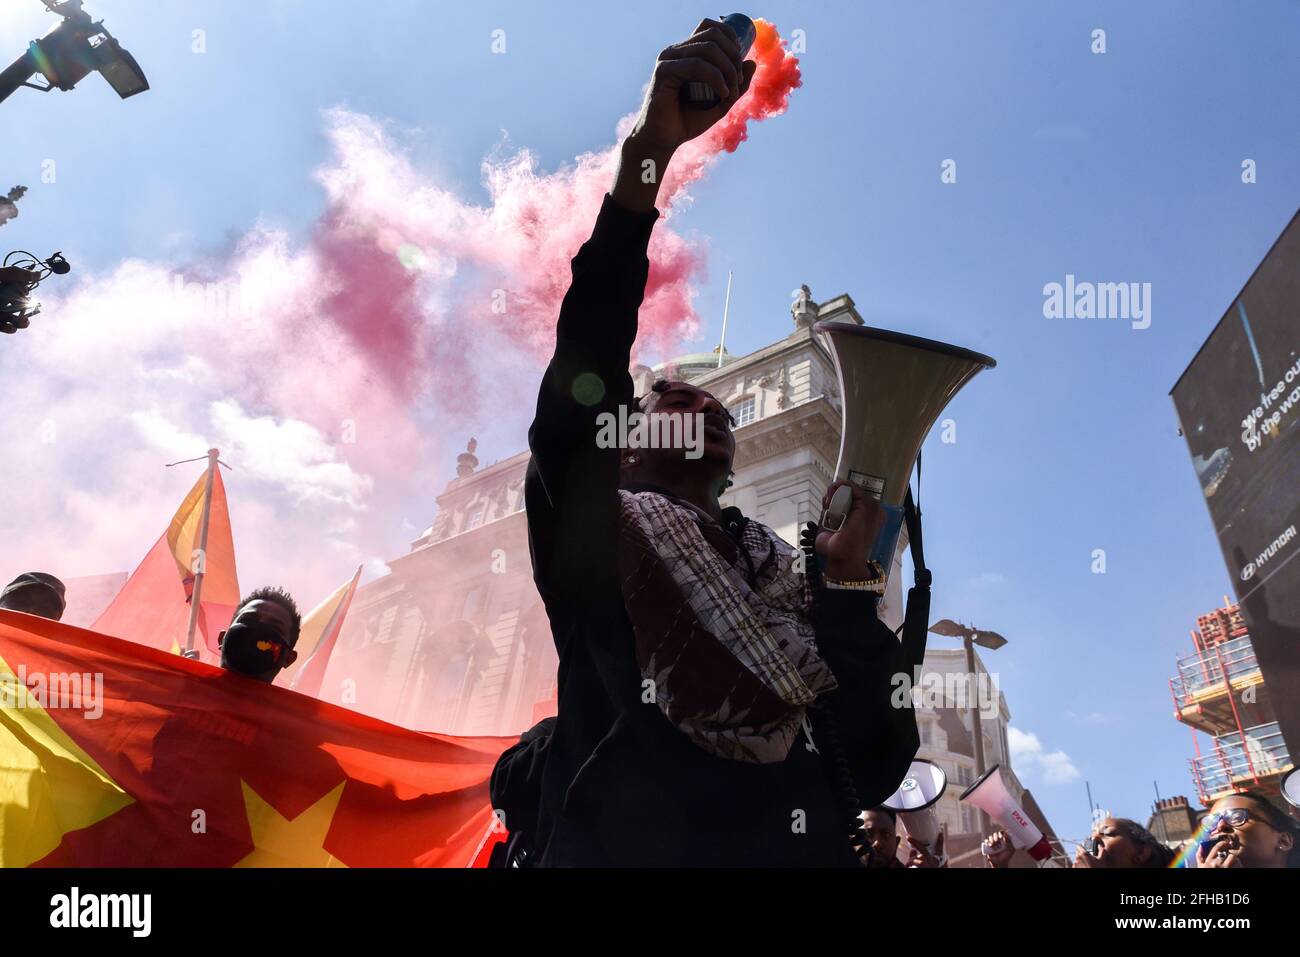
point(620, 785)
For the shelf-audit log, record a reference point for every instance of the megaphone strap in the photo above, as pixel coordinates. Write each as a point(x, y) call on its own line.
point(916, 617)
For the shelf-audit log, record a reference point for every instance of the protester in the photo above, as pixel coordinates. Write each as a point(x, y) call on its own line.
point(881, 825)
point(1248, 830)
point(263, 632)
point(715, 708)
point(36, 593)
point(1121, 843)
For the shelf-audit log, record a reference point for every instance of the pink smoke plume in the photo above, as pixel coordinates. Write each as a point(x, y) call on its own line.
point(339, 376)
point(390, 233)
point(776, 77)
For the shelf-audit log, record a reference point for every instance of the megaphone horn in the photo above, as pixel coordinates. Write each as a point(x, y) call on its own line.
point(989, 794)
point(921, 788)
point(893, 387)
point(1291, 787)
point(914, 803)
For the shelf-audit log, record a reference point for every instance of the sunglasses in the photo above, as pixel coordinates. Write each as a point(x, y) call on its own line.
point(1235, 817)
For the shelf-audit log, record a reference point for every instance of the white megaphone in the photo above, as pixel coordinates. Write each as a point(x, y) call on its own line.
point(1291, 787)
point(914, 803)
point(894, 387)
point(989, 794)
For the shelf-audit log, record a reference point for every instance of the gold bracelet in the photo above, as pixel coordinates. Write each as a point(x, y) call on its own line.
point(862, 584)
point(874, 583)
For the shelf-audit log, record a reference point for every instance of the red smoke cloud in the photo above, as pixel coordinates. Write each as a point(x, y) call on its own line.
point(776, 77)
point(518, 248)
point(346, 373)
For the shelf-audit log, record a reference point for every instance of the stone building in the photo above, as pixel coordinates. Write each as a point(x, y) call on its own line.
point(455, 638)
point(948, 739)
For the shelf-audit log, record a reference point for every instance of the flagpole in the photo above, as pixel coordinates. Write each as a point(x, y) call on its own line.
point(202, 563)
point(726, 307)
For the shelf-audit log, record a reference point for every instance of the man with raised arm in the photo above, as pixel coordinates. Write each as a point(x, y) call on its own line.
point(718, 706)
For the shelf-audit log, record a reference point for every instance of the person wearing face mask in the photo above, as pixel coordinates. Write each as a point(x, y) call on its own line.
point(260, 640)
point(1120, 843)
point(1247, 830)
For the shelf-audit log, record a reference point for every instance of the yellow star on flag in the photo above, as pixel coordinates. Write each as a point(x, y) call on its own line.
point(279, 842)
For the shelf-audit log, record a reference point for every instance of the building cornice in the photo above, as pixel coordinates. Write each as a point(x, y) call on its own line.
point(814, 423)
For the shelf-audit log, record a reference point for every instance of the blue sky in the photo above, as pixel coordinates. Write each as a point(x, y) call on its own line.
point(1119, 167)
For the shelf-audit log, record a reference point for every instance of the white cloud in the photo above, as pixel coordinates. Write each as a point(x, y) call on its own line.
point(1031, 759)
point(339, 375)
point(288, 453)
point(375, 567)
point(291, 454)
point(159, 431)
point(987, 578)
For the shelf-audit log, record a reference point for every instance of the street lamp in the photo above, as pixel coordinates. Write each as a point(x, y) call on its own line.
point(971, 637)
point(20, 274)
point(68, 53)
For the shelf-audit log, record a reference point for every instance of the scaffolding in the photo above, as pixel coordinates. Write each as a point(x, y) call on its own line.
point(1222, 624)
point(1253, 757)
point(1219, 689)
point(1208, 675)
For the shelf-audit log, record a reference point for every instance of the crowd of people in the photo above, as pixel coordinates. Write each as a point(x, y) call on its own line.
point(1242, 830)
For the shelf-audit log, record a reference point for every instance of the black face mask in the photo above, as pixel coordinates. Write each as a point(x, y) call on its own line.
point(253, 649)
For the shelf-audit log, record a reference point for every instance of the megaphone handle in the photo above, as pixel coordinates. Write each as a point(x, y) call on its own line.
point(838, 510)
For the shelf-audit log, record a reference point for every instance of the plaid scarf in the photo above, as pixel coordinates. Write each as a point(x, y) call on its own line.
point(722, 629)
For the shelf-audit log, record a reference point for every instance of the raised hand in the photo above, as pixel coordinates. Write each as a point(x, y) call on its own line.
point(710, 55)
point(998, 849)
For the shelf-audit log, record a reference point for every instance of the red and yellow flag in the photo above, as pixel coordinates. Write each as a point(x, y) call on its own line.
point(316, 640)
point(153, 607)
point(116, 754)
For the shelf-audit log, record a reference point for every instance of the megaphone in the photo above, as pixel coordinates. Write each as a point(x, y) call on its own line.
point(893, 387)
point(989, 794)
point(914, 803)
point(1291, 787)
